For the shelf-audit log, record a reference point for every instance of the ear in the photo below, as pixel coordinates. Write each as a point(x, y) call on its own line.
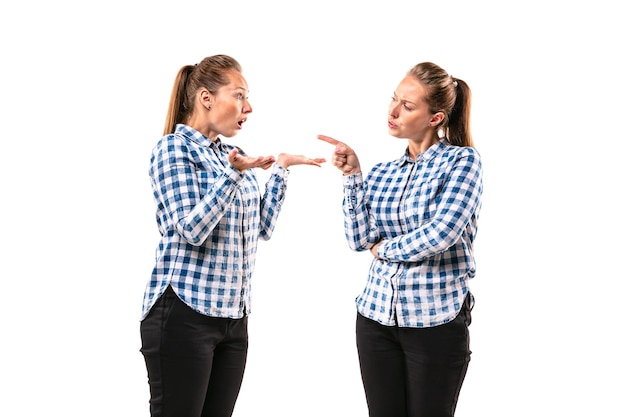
point(206, 98)
point(436, 118)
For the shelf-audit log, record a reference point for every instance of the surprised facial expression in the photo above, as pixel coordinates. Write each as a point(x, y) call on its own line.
point(230, 107)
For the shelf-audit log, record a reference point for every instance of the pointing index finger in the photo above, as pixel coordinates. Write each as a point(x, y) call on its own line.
point(328, 139)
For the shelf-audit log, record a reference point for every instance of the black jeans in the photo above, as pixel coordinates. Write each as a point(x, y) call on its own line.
point(413, 372)
point(195, 363)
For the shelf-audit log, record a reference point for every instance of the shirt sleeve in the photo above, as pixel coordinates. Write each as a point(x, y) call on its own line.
point(272, 201)
point(176, 188)
point(359, 227)
point(460, 200)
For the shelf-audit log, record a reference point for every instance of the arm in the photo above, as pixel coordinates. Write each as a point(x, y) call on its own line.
point(360, 228)
point(176, 187)
point(272, 200)
point(359, 225)
point(286, 160)
point(460, 201)
point(276, 187)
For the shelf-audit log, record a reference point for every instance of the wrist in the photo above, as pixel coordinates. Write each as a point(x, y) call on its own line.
point(282, 160)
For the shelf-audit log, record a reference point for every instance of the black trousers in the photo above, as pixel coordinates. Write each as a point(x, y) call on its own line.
point(413, 372)
point(195, 363)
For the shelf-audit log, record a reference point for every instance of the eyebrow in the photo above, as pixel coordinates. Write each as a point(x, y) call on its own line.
point(403, 99)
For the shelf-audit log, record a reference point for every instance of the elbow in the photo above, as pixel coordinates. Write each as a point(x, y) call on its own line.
point(191, 236)
point(193, 240)
point(359, 246)
point(444, 242)
point(266, 232)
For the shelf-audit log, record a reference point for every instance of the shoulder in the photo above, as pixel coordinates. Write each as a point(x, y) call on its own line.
point(461, 151)
point(172, 149)
point(464, 154)
point(382, 169)
point(170, 141)
point(388, 165)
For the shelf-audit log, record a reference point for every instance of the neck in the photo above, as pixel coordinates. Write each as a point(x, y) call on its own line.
point(417, 147)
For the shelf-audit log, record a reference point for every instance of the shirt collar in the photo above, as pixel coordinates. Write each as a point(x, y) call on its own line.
point(195, 136)
point(434, 150)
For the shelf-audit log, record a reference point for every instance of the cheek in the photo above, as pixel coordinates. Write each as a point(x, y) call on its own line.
point(416, 122)
point(232, 109)
point(226, 111)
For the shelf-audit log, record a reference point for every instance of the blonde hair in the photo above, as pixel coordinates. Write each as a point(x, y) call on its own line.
point(449, 95)
point(210, 73)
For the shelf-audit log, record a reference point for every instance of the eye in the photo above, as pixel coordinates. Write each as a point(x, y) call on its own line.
point(239, 96)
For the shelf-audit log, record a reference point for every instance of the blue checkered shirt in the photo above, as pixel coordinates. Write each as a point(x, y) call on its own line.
point(425, 211)
point(210, 217)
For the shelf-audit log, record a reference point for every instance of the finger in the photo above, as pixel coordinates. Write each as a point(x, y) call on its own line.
point(328, 139)
point(233, 155)
point(264, 161)
point(316, 161)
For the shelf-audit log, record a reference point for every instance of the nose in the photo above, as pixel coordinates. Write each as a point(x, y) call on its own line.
point(247, 108)
point(393, 109)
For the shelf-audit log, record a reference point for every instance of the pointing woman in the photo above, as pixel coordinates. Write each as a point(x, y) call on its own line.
point(417, 215)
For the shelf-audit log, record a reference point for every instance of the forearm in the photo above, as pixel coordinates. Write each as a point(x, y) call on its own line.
point(359, 226)
point(272, 201)
point(194, 217)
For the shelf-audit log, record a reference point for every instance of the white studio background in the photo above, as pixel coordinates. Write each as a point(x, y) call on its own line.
point(85, 88)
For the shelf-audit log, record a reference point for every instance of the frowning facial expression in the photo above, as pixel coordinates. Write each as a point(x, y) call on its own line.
point(409, 116)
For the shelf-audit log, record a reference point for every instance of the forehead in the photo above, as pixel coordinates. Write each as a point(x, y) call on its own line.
point(236, 81)
point(411, 89)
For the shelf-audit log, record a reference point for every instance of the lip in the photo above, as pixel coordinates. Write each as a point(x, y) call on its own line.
point(240, 123)
point(391, 125)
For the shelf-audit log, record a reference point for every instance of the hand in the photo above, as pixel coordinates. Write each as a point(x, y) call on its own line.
point(242, 163)
point(286, 160)
point(344, 157)
point(374, 249)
